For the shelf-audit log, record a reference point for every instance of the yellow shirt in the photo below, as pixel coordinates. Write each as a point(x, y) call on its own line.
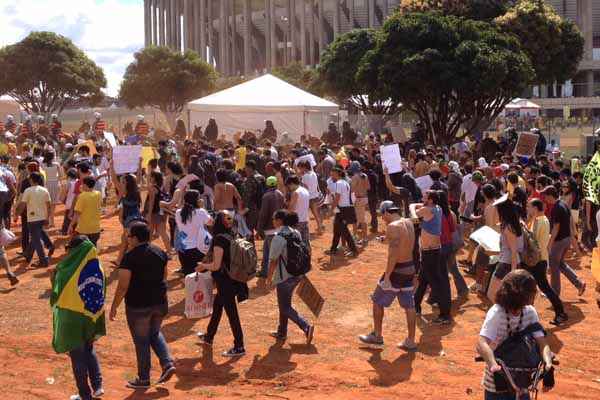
point(240, 158)
point(88, 206)
point(37, 199)
point(541, 231)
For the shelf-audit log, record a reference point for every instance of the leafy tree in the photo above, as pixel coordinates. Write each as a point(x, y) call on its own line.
point(166, 79)
point(46, 72)
point(554, 44)
point(338, 74)
point(450, 71)
point(299, 76)
point(485, 10)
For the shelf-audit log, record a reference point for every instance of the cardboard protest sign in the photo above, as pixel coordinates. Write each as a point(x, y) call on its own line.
point(487, 238)
point(89, 143)
point(526, 144)
point(310, 296)
point(398, 134)
point(148, 153)
point(110, 138)
point(424, 183)
point(390, 158)
point(126, 159)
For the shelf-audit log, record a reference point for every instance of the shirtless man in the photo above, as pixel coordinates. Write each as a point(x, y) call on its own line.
point(225, 193)
point(398, 279)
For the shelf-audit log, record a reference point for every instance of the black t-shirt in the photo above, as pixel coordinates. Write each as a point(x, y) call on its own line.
point(223, 241)
point(147, 287)
point(561, 215)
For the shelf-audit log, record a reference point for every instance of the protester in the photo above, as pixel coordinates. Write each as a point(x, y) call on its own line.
point(344, 213)
point(193, 240)
point(143, 285)
point(86, 219)
point(299, 204)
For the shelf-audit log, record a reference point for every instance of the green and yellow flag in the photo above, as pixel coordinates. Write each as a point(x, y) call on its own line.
point(591, 179)
point(77, 299)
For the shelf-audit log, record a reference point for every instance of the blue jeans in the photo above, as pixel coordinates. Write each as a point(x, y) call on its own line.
point(449, 255)
point(86, 367)
point(37, 239)
point(144, 325)
point(503, 396)
point(264, 270)
point(558, 266)
point(285, 290)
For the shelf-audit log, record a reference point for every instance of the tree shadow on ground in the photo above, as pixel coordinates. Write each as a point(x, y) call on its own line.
point(390, 373)
point(210, 373)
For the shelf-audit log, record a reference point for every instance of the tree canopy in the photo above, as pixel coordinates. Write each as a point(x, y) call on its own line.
point(554, 44)
point(485, 10)
point(450, 71)
point(46, 72)
point(166, 79)
point(338, 73)
point(299, 76)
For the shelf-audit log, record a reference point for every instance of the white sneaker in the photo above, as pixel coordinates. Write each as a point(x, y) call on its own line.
point(98, 393)
point(75, 397)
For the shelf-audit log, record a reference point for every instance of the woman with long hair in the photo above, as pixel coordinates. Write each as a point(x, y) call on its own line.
point(54, 175)
point(449, 228)
point(228, 290)
point(192, 240)
point(157, 220)
point(511, 243)
point(512, 312)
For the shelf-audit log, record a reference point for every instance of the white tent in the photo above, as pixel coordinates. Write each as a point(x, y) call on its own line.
point(247, 106)
point(523, 107)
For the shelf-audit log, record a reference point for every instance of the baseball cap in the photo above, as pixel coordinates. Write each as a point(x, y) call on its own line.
point(477, 176)
point(386, 206)
point(550, 191)
point(272, 181)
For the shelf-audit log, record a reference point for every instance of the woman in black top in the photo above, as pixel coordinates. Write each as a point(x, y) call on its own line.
point(227, 289)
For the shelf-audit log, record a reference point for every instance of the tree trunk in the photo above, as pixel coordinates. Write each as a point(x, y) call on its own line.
point(171, 117)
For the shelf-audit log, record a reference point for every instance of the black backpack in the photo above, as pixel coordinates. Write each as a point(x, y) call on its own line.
point(298, 254)
point(519, 355)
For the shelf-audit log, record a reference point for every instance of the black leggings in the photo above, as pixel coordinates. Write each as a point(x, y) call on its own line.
point(189, 260)
point(229, 304)
point(340, 231)
point(434, 273)
point(541, 278)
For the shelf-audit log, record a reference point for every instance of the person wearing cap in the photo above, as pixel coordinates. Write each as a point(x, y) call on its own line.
point(560, 241)
point(397, 281)
point(141, 127)
point(10, 124)
point(272, 201)
point(55, 126)
point(99, 125)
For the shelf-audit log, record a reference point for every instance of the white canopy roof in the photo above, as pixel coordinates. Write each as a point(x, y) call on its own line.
point(266, 93)
point(522, 103)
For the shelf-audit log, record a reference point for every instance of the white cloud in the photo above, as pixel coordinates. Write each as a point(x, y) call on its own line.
point(109, 31)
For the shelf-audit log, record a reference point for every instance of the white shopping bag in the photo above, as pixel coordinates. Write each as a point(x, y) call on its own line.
point(198, 295)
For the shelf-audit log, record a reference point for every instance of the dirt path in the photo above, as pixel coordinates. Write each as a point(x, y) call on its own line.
point(333, 368)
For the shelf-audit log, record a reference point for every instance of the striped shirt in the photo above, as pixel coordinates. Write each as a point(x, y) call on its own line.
point(496, 329)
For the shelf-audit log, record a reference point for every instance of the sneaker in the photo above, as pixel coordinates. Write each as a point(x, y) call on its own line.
point(13, 279)
point(310, 334)
point(351, 254)
point(372, 340)
point(75, 397)
point(441, 321)
point(408, 345)
point(203, 340)
point(137, 383)
point(234, 352)
point(98, 393)
point(276, 335)
point(559, 319)
point(582, 289)
point(167, 374)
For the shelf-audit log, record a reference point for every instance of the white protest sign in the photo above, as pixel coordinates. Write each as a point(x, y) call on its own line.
point(424, 183)
point(390, 158)
point(308, 157)
point(526, 144)
point(126, 159)
point(487, 238)
point(110, 138)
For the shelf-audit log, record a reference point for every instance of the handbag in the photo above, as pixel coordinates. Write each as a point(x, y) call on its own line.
point(6, 237)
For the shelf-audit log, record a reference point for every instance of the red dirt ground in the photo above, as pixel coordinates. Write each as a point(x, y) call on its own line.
point(334, 367)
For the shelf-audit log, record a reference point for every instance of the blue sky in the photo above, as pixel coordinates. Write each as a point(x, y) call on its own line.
point(109, 31)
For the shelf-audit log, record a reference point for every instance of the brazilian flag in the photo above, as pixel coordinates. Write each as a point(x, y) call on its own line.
point(77, 299)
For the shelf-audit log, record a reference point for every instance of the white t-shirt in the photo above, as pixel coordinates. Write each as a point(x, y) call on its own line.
point(469, 188)
point(343, 189)
point(194, 232)
point(302, 204)
point(37, 199)
point(311, 182)
point(70, 193)
point(495, 328)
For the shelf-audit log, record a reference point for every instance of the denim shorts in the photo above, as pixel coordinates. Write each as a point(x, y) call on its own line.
point(385, 298)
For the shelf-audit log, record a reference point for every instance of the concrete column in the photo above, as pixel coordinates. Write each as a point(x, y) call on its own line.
point(202, 23)
point(247, 34)
point(311, 32)
point(233, 58)
point(585, 22)
point(268, 26)
point(303, 55)
point(161, 22)
point(168, 28)
point(146, 22)
point(154, 22)
point(195, 28)
point(186, 23)
point(336, 19)
point(222, 37)
point(173, 24)
point(274, 39)
point(371, 9)
point(210, 35)
point(320, 27)
point(179, 5)
point(293, 30)
point(351, 12)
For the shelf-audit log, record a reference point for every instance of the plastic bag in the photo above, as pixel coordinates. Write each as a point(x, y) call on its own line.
point(198, 295)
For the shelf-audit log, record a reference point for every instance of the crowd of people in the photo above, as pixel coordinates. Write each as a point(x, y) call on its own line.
point(204, 193)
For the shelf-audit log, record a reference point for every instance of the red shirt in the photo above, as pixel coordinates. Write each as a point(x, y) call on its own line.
point(448, 227)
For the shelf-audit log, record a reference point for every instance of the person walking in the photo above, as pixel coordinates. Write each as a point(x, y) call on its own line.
point(86, 217)
point(272, 201)
point(300, 204)
point(397, 280)
point(143, 285)
point(280, 277)
point(192, 241)
point(344, 213)
point(228, 290)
